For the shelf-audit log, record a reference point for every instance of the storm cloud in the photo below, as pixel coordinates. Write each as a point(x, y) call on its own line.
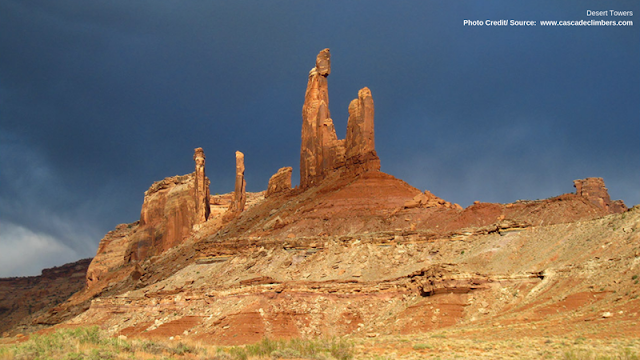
point(100, 99)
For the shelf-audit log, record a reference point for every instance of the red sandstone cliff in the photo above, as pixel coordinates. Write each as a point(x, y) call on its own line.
point(167, 217)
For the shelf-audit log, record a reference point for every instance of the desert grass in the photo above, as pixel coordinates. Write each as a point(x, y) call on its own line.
point(94, 344)
point(91, 343)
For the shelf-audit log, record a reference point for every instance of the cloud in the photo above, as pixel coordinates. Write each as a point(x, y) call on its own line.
point(25, 253)
point(39, 206)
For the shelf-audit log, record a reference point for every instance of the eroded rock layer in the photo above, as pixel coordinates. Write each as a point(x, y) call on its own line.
point(374, 284)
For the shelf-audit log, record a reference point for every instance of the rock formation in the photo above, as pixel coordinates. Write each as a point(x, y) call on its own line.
point(239, 194)
point(428, 200)
point(321, 151)
point(111, 252)
point(202, 188)
point(167, 217)
point(360, 142)
point(280, 181)
point(594, 190)
point(170, 210)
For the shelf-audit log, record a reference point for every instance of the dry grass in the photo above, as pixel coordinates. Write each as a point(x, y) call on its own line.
point(93, 344)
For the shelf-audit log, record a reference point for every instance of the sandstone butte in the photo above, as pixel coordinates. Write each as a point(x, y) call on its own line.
point(351, 251)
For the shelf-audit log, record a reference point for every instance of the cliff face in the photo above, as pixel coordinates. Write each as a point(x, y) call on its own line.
point(111, 252)
point(171, 209)
point(321, 152)
point(23, 298)
point(167, 217)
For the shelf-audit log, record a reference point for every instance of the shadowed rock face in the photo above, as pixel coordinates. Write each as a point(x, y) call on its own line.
point(594, 190)
point(280, 182)
point(321, 152)
point(23, 298)
point(169, 212)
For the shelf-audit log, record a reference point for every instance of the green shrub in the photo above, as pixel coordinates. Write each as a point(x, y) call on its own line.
point(285, 354)
point(422, 346)
point(294, 348)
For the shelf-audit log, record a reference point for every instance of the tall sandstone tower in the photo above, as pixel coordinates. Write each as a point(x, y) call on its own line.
point(202, 188)
point(321, 152)
point(240, 192)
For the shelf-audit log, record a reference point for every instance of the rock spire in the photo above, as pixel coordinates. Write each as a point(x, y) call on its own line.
point(321, 152)
point(360, 141)
point(239, 194)
point(202, 188)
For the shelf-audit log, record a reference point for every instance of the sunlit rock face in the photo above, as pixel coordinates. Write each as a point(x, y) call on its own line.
point(594, 190)
point(321, 152)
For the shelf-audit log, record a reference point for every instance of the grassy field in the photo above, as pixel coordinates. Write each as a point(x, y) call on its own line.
point(91, 343)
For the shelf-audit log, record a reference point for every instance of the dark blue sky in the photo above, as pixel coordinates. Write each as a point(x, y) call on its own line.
point(100, 99)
